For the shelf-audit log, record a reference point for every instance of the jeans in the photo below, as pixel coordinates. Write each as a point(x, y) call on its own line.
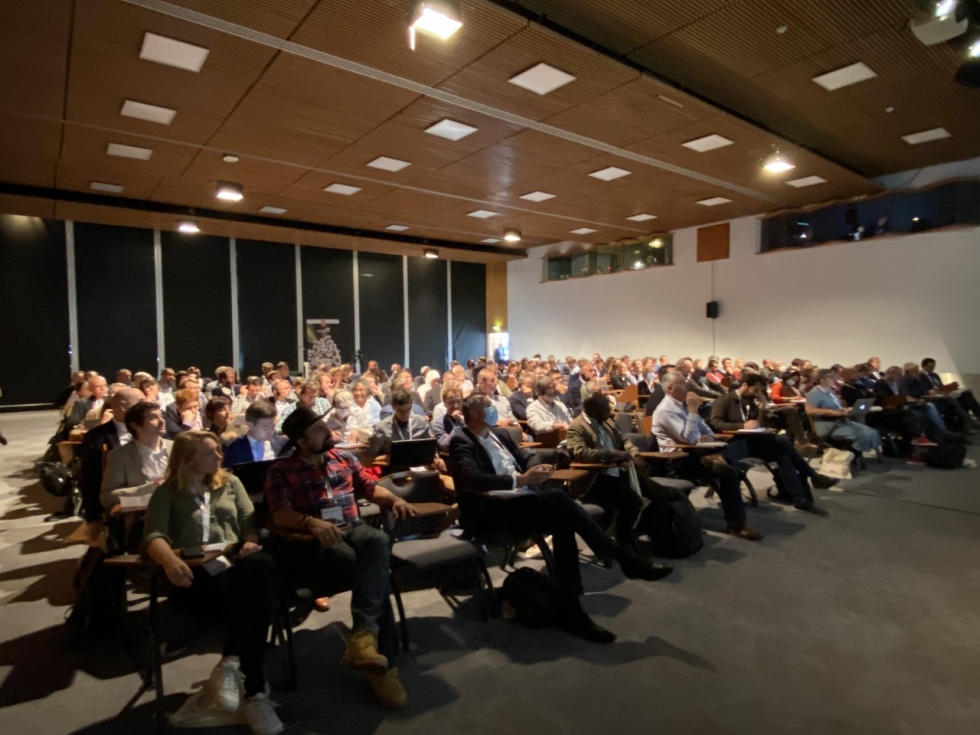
point(243, 599)
point(929, 414)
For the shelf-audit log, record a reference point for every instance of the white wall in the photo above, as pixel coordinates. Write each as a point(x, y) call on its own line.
point(899, 297)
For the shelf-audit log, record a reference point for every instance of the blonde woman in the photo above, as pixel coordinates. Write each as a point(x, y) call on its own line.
point(199, 504)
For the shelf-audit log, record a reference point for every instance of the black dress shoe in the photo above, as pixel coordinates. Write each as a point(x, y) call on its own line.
point(822, 482)
point(808, 507)
point(636, 567)
point(578, 623)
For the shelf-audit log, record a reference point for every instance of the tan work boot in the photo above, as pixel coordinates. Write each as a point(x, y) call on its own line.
point(388, 689)
point(362, 653)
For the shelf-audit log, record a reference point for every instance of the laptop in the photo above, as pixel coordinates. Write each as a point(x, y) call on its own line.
point(252, 475)
point(861, 408)
point(412, 453)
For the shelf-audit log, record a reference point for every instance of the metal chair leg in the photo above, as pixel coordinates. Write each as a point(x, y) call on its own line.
point(549, 558)
point(401, 613)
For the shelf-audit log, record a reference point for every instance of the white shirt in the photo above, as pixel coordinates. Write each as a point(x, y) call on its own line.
point(503, 462)
point(122, 432)
point(164, 399)
point(154, 460)
point(674, 424)
point(167, 388)
point(261, 450)
point(504, 411)
point(541, 417)
point(242, 402)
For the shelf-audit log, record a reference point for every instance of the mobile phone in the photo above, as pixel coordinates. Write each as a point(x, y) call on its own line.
point(192, 552)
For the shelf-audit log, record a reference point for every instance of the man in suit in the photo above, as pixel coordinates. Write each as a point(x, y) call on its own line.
point(110, 434)
point(61, 400)
point(594, 438)
point(619, 377)
point(889, 394)
point(523, 396)
point(91, 406)
point(484, 460)
point(899, 420)
point(137, 468)
point(708, 391)
point(226, 385)
point(656, 390)
point(261, 441)
point(932, 382)
point(950, 409)
point(584, 376)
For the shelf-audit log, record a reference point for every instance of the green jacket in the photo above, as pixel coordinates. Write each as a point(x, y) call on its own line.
point(176, 517)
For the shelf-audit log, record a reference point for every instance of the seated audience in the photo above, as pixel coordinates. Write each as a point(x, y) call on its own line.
point(484, 460)
point(404, 424)
point(897, 420)
point(487, 384)
point(88, 408)
point(136, 468)
point(432, 391)
point(707, 390)
point(309, 396)
point(314, 494)
point(403, 379)
point(226, 384)
point(448, 415)
point(933, 382)
point(124, 377)
point(522, 396)
point(250, 392)
point(546, 413)
point(618, 376)
point(830, 417)
point(283, 369)
point(183, 414)
point(260, 441)
point(586, 374)
point(347, 421)
point(111, 434)
point(889, 394)
point(168, 381)
point(363, 397)
point(242, 596)
point(218, 414)
point(952, 411)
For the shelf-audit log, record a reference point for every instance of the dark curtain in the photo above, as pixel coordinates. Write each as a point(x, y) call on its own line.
point(328, 293)
point(266, 304)
point(469, 299)
point(427, 315)
point(382, 308)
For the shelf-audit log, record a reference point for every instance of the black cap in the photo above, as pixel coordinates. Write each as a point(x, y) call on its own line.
point(296, 423)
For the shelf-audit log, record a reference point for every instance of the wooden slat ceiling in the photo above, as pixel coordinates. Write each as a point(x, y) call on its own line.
point(299, 125)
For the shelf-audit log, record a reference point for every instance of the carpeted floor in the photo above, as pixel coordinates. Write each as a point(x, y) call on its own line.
point(864, 622)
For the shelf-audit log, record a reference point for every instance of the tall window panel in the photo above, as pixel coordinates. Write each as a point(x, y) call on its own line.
point(469, 299)
point(382, 308)
point(34, 359)
point(116, 299)
point(328, 293)
point(266, 304)
point(427, 314)
point(196, 301)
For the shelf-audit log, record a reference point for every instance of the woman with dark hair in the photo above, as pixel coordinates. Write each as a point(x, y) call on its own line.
point(219, 416)
point(134, 470)
point(201, 504)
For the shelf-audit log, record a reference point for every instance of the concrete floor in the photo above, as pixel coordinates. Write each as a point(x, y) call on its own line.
point(863, 622)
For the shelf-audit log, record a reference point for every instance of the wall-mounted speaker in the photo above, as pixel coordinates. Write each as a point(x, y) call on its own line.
point(711, 310)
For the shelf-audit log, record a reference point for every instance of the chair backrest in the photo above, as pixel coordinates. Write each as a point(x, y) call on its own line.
point(516, 433)
point(647, 425)
point(642, 442)
point(551, 439)
point(253, 474)
point(624, 422)
point(413, 487)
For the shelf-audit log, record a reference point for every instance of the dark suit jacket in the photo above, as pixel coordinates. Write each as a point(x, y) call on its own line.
point(929, 381)
point(575, 394)
point(851, 393)
point(240, 451)
point(584, 444)
point(81, 407)
point(914, 386)
point(174, 424)
point(618, 382)
point(654, 400)
point(97, 441)
point(726, 413)
point(432, 399)
point(518, 404)
point(473, 474)
point(883, 392)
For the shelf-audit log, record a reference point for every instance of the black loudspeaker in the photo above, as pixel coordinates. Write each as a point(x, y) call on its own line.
point(712, 310)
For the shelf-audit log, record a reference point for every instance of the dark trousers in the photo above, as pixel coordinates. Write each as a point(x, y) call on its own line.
point(793, 420)
point(729, 489)
point(902, 422)
point(794, 471)
point(243, 600)
point(616, 498)
point(969, 403)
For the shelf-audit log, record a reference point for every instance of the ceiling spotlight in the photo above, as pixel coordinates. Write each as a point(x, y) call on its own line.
point(190, 228)
point(440, 18)
point(430, 253)
point(230, 191)
point(512, 235)
point(230, 158)
point(945, 8)
point(656, 243)
point(777, 163)
point(974, 50)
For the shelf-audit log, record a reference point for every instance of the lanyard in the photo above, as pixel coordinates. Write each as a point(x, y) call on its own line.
point(744, 410)
point(395, 426)
point(204, 503)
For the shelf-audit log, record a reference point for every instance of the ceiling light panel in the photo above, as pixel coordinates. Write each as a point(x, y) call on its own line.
point(807, 181)
point(926, 135)
point(608, 174)
point(641, 217)
point(542, 79)
point(583, 231)
point(483, 214)
point(342, 189)
point(707, 143)
point(396, 228)
point(151, 113)
point(450, 129)
point(171, 52)
point(490, 241)
point(714, 201)
point(845, 76)
point(273, 210)
point(389, 164)
point(111, 188)
point(538, 196)
point(129, 151)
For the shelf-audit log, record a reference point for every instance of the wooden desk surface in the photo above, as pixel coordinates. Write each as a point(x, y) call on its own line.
point(664, 455)
point(530, 445)
point(568, 475)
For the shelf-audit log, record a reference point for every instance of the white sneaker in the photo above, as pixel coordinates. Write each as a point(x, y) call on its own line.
point(261, 717)
point(226, 687)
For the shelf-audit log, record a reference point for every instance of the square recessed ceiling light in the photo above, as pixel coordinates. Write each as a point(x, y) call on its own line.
point(845, 76)
point(714, 201)
point(707, 143)
point(641, 217)
point(129, 151)
point(143, 111)
point(491, 241)
point(273, 210)
point(450, 129)
point(389, 164)
point(926, 135)
point(538, 196)
point(483, 214)
point(396, 228)
point(542, 79)
point(583, 231)
point(167, 51)
point(807, 181)
point(111, 188)
point(608, 174)
point(342, 189)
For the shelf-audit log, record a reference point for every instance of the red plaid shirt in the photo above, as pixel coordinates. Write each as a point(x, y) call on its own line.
point(295, 483)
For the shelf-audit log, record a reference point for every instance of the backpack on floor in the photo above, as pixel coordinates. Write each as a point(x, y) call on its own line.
point(671, 523)
point(530, 598)
point(946, 456)
point(95, 613)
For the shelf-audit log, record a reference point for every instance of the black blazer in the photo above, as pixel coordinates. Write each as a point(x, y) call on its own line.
point(618, 382)
point(96, 442)
point(518, 404)
point(78, 410)
point(654, 400)
point(473, 474)
point(575, 394)
point(173, 420)
point(882, 391)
